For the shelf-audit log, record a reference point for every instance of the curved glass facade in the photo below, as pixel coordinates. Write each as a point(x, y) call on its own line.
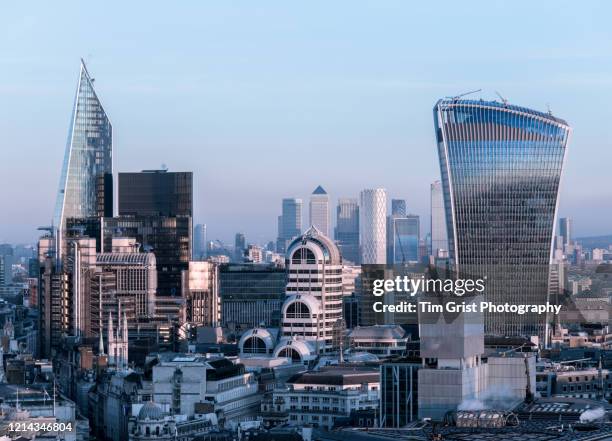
point(501, 166)
point(85, 188)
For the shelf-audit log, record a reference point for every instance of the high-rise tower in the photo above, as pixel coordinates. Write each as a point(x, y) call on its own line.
point(398, 207)
point(565, 230)
point(289, 223)
point(319, 210)
point(439, 238)
point(347, 229)
point(501, 166)
point(373, 226)
point(86, 182)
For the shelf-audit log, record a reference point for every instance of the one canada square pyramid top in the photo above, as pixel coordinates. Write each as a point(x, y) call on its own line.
point(501, 167)
point(85, 187)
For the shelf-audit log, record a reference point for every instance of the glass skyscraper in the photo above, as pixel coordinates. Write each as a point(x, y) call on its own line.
point(398, 207)
point(373, 226)
point(403, 235)
point(319, 210)
point(156, 193)
point(501, 166)
point(86, 182)
point(439, 242)
point(347, 229)
point(565, 230)
point(289, 223)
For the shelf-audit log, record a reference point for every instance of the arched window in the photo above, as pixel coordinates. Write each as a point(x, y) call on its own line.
point(303, 255)
point(297, 310)
point(290, 353)
point(254, 345)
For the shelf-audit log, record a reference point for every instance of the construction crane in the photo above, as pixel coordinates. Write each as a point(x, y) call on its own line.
point(457, 97)
point(503, 100)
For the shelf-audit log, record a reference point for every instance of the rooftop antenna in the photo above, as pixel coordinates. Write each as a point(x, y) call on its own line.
point(504, 100)
point(548, 108)
point(457, 97)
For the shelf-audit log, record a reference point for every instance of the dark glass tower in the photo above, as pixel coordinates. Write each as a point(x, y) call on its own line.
point(86, 182)
point(155, 207)
point(500, 166)
point(156, 193)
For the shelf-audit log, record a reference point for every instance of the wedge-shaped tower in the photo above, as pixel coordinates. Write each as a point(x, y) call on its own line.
point(85, 187)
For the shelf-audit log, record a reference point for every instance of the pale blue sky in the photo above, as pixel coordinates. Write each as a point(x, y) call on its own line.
point(268, 99)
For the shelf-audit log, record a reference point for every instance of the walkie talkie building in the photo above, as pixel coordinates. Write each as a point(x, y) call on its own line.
point(501, 166)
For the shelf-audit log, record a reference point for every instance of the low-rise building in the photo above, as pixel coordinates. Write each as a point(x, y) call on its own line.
point(381, 340)
point(321, 398)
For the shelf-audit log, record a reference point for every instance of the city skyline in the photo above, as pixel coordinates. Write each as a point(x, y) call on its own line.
point(341, 106)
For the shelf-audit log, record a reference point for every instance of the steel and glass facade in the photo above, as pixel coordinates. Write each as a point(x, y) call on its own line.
point(373, 226)
point(289, 223)
point(347, 229)
point(403, 235)
point(500, 167)
point(439, 241)
point(85, 188)
point(156, 193)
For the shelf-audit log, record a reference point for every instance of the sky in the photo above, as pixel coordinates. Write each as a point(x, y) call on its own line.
point(268, 99)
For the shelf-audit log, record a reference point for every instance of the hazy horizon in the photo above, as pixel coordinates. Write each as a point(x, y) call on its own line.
point(268, 100)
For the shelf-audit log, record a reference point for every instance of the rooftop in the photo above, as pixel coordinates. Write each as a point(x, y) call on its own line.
point(337, 376)
point(319, 190)
point(496, 105)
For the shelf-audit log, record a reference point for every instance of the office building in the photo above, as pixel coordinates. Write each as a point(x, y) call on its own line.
point(500, 166)
point(565, 230)
point(399, 392)
point(156, 207)
point(86, 181)
point(254, 254)
point(347, 229)
point(156, 193)
point(199, 242)
point(439, 238)
point(66, 295)
point(289, 223)
point(239, 247)
point(251, 295)
point(319, 210)
point(128, 282)
point(313, 303)
point(373, 226)
point(381, 340)
point(201, 294)
point(191, 383)
point(169, 238)
point(398, 207)
point(321, 398)
point(7, 259)
point(403, 236)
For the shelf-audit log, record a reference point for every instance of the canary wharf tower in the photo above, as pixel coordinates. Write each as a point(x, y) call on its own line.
point(85, 188)
point(501, 166)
